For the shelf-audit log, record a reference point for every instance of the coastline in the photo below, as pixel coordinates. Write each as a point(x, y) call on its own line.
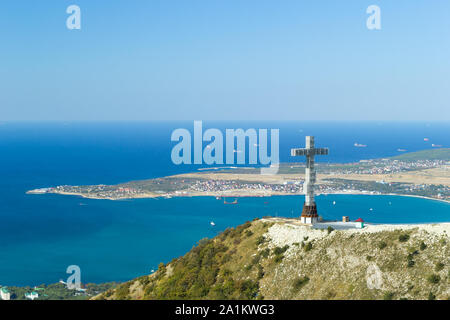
point(232, 194)
point(391, 194)
point(431, 183)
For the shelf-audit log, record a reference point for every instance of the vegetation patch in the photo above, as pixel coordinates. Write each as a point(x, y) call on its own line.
point(422, 246)
point(433, 278)
point(308, 246)
point(382, 245)
point(439, 266)
point(300, 283)
point(223, 268)
point(388, 295)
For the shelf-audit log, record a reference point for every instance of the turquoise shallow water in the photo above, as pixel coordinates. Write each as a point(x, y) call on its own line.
point(119, 240)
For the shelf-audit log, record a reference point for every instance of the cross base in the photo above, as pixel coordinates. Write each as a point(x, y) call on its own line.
point(309, 214)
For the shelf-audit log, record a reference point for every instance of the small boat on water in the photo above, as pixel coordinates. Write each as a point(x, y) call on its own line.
point(212, 223)
point(359, 145)
point(234, 202)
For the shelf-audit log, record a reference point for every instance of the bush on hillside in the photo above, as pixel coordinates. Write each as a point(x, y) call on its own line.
point(300, 282)
point(434, 278)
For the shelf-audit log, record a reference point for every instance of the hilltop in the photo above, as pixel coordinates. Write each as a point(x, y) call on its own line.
point(281, 259)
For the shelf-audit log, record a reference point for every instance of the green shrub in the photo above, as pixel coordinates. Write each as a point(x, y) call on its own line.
point(244, 226)
point(431, 296)
point(411, 263)
point(203, 242)
point(122, 291)
point(144, 280)
point(225, 233)
point(265, 253)
point(403, 237)
point(194, 275)
point(225, 258)
point(439, 266)
point(423, 246)
point(260, 240)
point(434, 278)
point(248, 289)
point(300, 282)
point(260, 272)
point(308, 247)
point(248, 233)
point(226, 272)
point(280, 250)
point(388, 295)
point(108, 293)
point(278, 258)
point(382, 245)
point(330, 229)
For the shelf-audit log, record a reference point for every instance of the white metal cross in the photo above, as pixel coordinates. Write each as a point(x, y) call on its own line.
point(310, 173)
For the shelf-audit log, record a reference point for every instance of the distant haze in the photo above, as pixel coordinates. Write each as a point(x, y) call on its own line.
point(235, 60)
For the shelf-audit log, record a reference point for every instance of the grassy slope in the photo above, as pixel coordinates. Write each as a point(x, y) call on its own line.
point(242, 263)
point(430, 154)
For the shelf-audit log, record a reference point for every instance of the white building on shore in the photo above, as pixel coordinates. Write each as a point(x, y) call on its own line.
point(32, 295)
point(5, 294)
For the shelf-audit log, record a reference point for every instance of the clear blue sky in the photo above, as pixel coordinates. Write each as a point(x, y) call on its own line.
point(234, 59)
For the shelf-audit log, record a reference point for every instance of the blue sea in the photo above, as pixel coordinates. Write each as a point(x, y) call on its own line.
point(40, 235)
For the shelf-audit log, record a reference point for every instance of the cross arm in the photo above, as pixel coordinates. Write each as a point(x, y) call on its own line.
point(306, 152)
point(321, 151)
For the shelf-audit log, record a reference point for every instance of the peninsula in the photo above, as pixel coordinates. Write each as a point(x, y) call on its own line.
point(425, 174)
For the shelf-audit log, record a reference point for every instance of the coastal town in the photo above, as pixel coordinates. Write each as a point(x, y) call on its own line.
point(422, 177)
point(55, 291)
point(382, 166)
